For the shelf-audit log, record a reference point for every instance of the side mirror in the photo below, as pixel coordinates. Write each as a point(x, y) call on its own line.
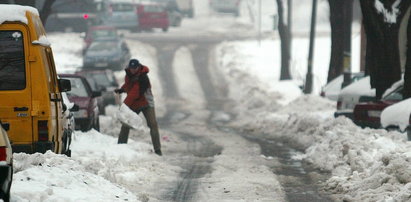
point(96, 94)
point(64, 85)
point(75, 108)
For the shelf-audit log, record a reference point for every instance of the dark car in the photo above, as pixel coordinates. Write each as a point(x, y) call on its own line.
point(70, 15)
point(81, 94)
point(106, 54)
point(100, 33)
point(368, 114)
point(104, 81)
point(6, 163)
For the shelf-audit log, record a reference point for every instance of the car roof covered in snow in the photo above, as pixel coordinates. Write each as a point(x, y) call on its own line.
point(12, 13)
point(361, 87)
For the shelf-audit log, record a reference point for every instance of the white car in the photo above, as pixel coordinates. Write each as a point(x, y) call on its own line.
point(226, 6)
point(6, 164)
point(333, 88)
point(354, 93)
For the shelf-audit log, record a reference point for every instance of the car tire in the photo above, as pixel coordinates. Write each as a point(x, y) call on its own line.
point(165, 29)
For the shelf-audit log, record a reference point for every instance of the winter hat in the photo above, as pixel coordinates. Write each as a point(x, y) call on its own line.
point(134, 63)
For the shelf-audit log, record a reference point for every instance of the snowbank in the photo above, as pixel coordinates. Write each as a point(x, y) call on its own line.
point(397, 115)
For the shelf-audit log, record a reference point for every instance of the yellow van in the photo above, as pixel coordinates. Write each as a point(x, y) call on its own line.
point(31, 104)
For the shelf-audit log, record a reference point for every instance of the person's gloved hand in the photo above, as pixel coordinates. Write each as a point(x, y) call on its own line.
point(119, 90)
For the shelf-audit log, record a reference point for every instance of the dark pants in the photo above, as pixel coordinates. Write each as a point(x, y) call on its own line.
point(150, 115)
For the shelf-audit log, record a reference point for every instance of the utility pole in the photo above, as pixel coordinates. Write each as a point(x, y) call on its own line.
point(347, 11)
point(309, 77)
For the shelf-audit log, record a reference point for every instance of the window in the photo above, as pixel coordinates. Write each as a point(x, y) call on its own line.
point(395, 95)
point(78, 89)
point(122, 7)
point(12, 62)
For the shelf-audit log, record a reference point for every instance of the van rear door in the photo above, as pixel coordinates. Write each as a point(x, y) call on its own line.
point(15, 89)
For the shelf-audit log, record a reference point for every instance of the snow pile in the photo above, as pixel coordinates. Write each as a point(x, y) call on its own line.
point(360, 88)
point(365, 164)
point(51, 177)
point(42, 41)
point(128, 116)
point(397, 115)
point(390, 15)
point(15, 13)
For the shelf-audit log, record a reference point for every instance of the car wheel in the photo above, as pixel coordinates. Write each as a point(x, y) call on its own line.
point(165, 29)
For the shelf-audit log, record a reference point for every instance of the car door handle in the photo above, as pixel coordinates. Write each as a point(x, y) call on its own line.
point(21, 109)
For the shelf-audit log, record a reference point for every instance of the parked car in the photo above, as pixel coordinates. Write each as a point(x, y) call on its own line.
point(107, 54)
point(69, 123)
point(152, 15)
point(351, 95)
point(119, 14)
point(104, 81)
point(333, 88)
point(87, 116)
point(174, 13)
point(69, 15)
point(6, 164)
point(30, 90)
point(100, 33)
point(367, 114)
point(186, 7)
point(226, 6)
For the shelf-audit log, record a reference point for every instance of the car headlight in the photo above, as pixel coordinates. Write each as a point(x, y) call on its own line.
point(82, 113)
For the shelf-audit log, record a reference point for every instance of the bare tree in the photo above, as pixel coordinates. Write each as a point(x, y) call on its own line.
point(337, 43)
point(382, 60)
point(45, 9)
point(285, 37)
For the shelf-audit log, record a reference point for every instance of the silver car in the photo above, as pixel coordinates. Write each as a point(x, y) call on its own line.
point(226, 6)
point(119, 14)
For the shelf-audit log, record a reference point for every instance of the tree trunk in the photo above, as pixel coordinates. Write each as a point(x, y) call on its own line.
point(407, 73)
point(26, 2)
point(382, 60)
point(285, 38)
point(337, 40)
point(46, 10)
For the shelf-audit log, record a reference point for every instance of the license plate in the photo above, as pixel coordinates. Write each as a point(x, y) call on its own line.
point(374, 114)
point(101, 64)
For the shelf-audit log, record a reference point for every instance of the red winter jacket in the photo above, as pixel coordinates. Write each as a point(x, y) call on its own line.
point(138, 89)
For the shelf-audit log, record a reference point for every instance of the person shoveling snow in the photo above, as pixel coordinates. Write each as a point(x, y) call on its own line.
point(139, 99)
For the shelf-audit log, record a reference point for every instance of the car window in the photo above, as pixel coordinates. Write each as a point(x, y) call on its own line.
point(100, 79)
point(104, 34)
point(396, 95)
point(153, 9)
point(78, 89)
point(103, 46)
point(122, 7)
point(12, 62)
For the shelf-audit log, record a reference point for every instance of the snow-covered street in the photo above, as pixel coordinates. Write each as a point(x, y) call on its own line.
point(220, 107)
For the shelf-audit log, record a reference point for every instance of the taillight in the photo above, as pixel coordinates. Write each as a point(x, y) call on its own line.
point(43, 130)
point(339, 105)
point(3, 153)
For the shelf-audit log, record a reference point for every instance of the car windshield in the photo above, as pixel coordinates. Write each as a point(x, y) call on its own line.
point(12, 69)
point(104, 33)
point(153, 9)
point(78, 89)
point(100, 79)
point(103, 46)
point(122, 7)
point(395, 95)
